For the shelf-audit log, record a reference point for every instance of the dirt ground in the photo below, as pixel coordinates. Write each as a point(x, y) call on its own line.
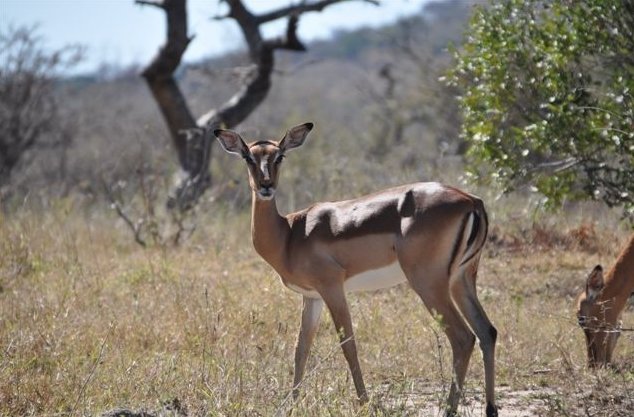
point(511, 403)
point(529, 402)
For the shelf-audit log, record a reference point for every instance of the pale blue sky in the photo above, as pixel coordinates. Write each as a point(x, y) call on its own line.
point(121, 32)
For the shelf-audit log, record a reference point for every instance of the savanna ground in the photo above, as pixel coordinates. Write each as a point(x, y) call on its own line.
point(90, 321)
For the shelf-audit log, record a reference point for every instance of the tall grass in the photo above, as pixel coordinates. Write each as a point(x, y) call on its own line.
point(90, 321)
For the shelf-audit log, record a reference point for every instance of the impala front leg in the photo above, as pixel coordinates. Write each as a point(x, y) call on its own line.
point(338, 306)
point(311, 313)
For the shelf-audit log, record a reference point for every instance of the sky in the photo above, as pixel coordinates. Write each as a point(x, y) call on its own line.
point(122, 33)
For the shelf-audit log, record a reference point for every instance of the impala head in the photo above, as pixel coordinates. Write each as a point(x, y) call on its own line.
point(597, 320)
point(263, 157)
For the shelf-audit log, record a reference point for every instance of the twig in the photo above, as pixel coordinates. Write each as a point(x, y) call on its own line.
point(302, 7)
point(440, 360)
point(93, 370)
point(135, 227)
point(155, 3)
point(297, 67)
point(555, 167)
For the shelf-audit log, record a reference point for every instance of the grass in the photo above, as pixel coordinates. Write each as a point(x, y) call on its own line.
point(91, 322)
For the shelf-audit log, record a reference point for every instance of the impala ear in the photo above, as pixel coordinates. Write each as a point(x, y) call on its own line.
point(231, 142)
point(594, 283)
point(295, 136)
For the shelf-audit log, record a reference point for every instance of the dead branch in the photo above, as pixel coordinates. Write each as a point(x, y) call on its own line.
point(172, 408)
point(302, 8)
point(149, 226)
point(155, 3)
point(135, 227)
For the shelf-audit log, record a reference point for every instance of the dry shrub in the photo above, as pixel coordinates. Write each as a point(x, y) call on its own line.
point(586, 237)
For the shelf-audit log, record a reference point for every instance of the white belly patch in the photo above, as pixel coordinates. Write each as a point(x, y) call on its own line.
point(371, 280)
point(376, 279)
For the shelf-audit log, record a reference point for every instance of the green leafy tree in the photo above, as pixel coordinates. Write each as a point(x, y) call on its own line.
point(547, 97)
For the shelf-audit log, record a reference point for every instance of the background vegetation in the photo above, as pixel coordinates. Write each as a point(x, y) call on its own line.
point(91, 321)
point(548, 97)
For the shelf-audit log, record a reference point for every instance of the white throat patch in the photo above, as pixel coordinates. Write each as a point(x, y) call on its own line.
point(265, 197)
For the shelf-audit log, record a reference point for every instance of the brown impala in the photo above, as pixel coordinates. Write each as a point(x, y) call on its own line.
point(427, 234)
point(600, 305)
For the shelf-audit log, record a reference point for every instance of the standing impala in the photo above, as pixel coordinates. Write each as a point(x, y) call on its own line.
point(600, 305)
point(427, 234)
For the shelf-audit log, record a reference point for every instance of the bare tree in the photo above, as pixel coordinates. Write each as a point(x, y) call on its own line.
point(28, 107)
point(190, 135)
point(407, 95)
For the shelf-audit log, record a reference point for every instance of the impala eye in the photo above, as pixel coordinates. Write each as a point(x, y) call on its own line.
point(279, 158)
point(249, 159)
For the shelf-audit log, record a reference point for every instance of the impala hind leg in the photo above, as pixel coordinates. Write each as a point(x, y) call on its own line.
point(311, 313)
point(463, 291)
point(435, 296)
point(338, 306)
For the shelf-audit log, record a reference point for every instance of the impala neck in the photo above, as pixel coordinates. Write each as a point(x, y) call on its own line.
point(619, 282)
point(269, 231)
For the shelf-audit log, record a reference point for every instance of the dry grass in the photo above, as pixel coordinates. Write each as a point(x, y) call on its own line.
point(90, 322)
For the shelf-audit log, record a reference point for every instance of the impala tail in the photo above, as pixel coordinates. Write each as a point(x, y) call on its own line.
point(472, 238)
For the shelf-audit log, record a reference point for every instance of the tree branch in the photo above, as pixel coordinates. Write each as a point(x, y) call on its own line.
point(155, 3)
point(135, 227)
point(248, 24)
point(296, 10)
point(290, 42)
point(159, 74)
point(554, 167)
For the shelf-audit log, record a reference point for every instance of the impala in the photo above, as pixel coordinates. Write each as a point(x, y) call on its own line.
point(427, 234)
point(601, 303)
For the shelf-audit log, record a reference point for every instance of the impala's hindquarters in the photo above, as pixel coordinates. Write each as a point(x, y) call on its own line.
point(462, 286)
point(447, 288)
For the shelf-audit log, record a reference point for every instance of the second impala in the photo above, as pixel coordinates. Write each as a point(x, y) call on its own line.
point(427, 234)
